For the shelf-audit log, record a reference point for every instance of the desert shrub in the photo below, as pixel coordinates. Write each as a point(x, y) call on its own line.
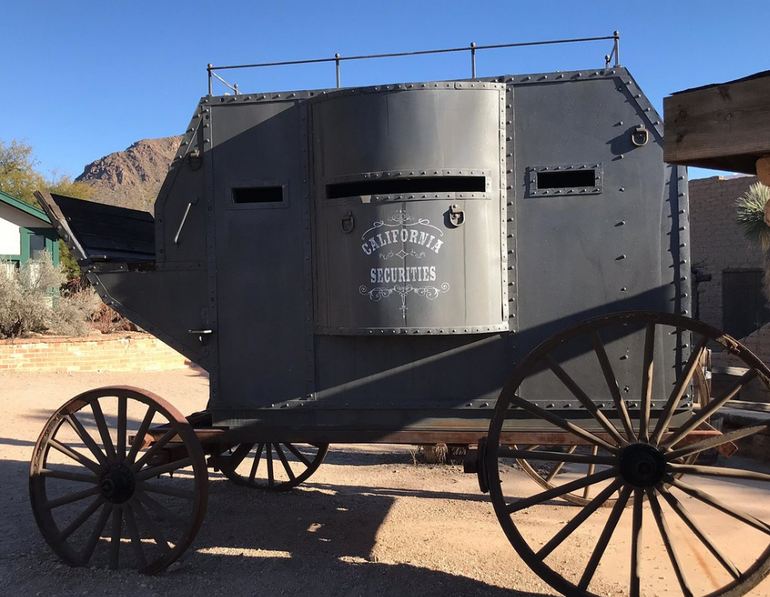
point(101, 318)
point(30, 302)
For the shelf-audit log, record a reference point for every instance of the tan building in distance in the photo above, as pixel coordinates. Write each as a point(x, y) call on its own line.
point(733, 299)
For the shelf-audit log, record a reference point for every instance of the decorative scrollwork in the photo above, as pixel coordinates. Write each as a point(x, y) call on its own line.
point(402, 254)
point(402, 218)
point(378, 293)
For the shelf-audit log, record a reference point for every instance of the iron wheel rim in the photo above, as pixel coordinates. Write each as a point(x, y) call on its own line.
point(747, 579)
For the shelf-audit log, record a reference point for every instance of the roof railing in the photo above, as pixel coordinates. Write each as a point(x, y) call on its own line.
point(338, 59)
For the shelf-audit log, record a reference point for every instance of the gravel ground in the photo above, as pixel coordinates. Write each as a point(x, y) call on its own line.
point(369, 522)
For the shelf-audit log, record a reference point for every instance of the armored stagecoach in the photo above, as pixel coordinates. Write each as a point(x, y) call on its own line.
point(499, 262)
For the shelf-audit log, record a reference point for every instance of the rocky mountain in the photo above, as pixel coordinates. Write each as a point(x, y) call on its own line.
point(131, 178)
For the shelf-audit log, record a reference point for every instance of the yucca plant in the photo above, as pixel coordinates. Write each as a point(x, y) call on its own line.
point(751, 214)
point(751, 217)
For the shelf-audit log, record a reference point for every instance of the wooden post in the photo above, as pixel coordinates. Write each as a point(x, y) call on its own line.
point(763, 170)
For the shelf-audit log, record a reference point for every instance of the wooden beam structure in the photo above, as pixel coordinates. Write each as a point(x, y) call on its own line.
point(724, 126)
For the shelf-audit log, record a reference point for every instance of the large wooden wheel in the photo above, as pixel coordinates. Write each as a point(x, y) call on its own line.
point(552, 473)
point(273, 466)
point(104, 494)
point(676, 528)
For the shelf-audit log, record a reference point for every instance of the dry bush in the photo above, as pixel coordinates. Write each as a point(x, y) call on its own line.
point(30, 302)
point(101, 317)
point(439, 454)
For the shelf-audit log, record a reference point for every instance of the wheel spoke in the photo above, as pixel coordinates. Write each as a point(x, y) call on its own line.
point(715, 442)
point(93, 539)
point(665, 535)
point(636, 542)
point(115, 534)
point(604, 538)
point(679, 508)
point(121, 447)
point(270, 477)
point(101, 425)
point(157, 507)
point(561, 423)
point(300, 456)
point(709, 410)
point(648, 367)
point(284, 462)
point(83, 517)
point(76, 456)
point(678, 393)
point(255, 464)
point(138, 442)
point(612, 384)
point(86, 438)
point(133, 533)
point(239, 455)
point(719, 505)
point(718, 471)
point(561, 490)
point(560, 465)
point(68, 476)
point(560, 456)
point(579, 519)
point(591, 470)
point(583, 398)
point(72, 497)
point(155, 471)
point(152, 528)
point(153, 449)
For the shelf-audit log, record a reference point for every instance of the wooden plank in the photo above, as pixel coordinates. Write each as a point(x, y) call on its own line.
point(724, 126)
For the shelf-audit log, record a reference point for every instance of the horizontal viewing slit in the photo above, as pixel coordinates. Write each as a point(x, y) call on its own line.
point(398, 186)
point(566, 179)
point(258, 195)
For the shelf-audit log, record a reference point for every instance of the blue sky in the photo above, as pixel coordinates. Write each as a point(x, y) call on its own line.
point(82, 78)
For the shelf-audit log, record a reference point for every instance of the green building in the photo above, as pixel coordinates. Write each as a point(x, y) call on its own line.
point(25, 232)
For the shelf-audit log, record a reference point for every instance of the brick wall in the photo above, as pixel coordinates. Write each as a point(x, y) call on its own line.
point(716, 241)
point(123, 352)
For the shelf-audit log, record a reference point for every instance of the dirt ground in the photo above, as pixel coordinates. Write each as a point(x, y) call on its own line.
point(369, 522)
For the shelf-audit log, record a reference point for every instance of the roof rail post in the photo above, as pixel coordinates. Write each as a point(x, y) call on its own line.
point(473, 60)
point(337, 67)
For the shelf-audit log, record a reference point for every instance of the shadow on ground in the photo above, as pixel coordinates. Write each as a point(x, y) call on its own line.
point(317, 540)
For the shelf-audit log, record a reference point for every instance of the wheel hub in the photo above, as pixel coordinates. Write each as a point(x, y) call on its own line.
point(642, 465)
point(117, 483)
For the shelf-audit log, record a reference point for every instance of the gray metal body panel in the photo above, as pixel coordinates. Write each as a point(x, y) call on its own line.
point(282, 261)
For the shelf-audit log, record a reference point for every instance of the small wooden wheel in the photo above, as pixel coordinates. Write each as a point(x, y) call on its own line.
point(638, 428)
point(98, 482)
point(274, 466)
